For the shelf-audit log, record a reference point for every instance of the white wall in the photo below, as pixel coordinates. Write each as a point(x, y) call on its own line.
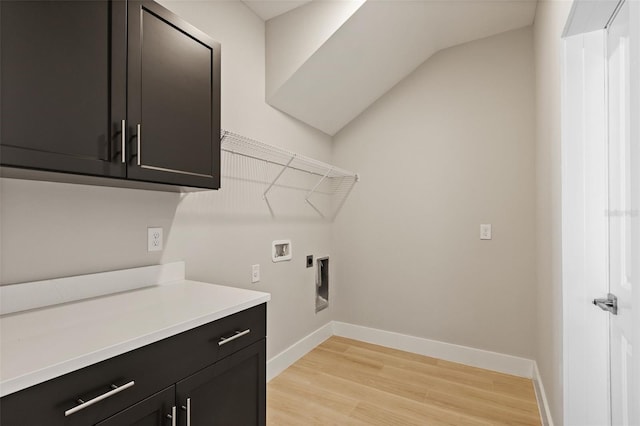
point(551, 17)
point(293, 37)
point(53, 230)
point(450, 147)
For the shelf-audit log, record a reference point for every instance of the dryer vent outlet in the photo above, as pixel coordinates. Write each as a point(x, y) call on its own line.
point(322, 283)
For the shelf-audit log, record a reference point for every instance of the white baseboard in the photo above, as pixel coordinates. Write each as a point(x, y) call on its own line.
point(284, 359)
point(495, 361)
point(502, 363)
point(541, 396)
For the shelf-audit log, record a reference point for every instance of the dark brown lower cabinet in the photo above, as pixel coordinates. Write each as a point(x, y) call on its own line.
point(229, 392)
point(153, 411)
point(214, 374)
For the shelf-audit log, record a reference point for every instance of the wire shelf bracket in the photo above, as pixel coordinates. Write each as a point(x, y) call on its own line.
point(310, 193)
point(240, 145)
point(273, 182)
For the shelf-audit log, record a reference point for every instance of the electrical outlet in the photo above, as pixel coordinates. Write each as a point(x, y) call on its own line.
point(310, 261)
point(255, 273)
point(485, 231)
point(154, 239)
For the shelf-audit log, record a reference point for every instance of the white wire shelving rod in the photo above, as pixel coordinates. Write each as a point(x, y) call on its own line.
point(246, 147)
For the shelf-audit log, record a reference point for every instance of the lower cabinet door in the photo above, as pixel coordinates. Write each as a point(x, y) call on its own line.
point(157, 410)
point(231, 392)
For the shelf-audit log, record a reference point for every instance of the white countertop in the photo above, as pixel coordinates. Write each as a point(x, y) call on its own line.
point(45, 343)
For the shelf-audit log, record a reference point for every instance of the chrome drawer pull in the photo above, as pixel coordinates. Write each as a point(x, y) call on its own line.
point(139, 129)
point(124, 141)
point(173, 416)
point(84, 404)
point(238, 334)
point(187, 408)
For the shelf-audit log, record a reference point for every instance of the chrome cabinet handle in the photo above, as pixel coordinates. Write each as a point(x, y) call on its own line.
point(237, 335)
point(84, 404)
point(124, 141)
point(139, 162)
point(172, 416)
point(187, 408)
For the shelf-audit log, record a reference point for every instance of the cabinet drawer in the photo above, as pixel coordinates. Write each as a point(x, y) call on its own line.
point(234, 332)
point(150, 368)
point(194, 350)
point(46, 403)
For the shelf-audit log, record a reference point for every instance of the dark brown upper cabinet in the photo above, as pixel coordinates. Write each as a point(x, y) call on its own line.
point(173, 105)
point(116, 89)
point(63, 85)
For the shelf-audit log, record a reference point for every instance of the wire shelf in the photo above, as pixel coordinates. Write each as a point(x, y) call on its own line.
point(337, 180)
point(242, 145)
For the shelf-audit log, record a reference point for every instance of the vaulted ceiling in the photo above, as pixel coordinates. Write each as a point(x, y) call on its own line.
point(327, 61)
point(267, 9)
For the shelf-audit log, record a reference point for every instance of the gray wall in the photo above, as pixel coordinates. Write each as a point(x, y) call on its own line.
point(550, 20)
point(53, 230)
point(449, 148)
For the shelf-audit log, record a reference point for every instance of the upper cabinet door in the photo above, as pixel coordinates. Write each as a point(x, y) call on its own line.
point(63, 85)
point(173, 99)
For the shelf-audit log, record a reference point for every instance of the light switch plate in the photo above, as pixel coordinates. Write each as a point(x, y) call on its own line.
point(255, 273)
point(154, 239)
point(485, 231)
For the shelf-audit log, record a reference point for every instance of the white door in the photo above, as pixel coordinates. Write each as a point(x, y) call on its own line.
point(621, 215)
point(601, 252)
point(585, 231)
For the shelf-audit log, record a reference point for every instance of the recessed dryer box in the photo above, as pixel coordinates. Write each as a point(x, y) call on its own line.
point(281, 250)
point(322, 284)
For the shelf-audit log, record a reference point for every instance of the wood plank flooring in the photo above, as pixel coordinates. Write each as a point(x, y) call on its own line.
point(347, 382)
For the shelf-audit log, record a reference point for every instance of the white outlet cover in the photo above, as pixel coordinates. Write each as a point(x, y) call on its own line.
point(154, 239)
point(255, 273)
point(485, 231)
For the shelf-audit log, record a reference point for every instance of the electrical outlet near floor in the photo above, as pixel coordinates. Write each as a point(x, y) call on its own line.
point(154, 239)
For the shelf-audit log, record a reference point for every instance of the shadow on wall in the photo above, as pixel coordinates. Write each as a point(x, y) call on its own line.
point(52, 230)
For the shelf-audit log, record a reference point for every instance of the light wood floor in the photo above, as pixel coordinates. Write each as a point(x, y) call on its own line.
point(347, 382)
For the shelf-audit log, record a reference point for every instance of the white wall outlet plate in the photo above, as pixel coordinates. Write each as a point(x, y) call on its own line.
point(255, 273)
point(154, 239)
point(485, 231)
point(281, 250)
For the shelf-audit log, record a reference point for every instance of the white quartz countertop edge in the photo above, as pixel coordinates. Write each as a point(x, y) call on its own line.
point(31, 378)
